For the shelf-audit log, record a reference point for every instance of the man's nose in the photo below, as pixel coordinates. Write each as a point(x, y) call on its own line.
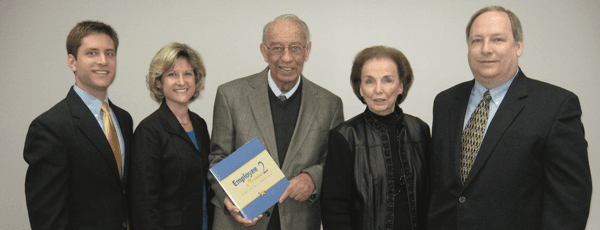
point(287, 55)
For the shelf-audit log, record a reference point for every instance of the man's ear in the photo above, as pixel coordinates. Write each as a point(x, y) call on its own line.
point(72, 62)
point(263, 50)
point(307, 51)
point(519, 48)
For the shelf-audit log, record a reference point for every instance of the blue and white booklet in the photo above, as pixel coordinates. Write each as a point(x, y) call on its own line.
point(251, 179)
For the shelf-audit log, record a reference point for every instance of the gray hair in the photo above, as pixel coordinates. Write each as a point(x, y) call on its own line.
point(287, 17)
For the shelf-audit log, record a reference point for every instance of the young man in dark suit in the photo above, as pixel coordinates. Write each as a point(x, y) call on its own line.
point(522, 160)
point(78, 150)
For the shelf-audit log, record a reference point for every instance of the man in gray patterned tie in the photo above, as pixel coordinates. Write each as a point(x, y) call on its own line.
point(509, 151)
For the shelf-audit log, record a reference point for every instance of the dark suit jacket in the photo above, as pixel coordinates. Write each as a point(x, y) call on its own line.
point(168, 172)
point(242, 112)
point(73, 181)
point(532, 169)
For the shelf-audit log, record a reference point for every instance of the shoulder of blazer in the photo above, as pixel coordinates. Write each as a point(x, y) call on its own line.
point(454, 96)
point(537, 87)
point(150, 120)
point(309, 85)
point(57, 113)
point(320, 93)
point(452, 91)
point(152, 126)
point(524, 87)
point(254, 80)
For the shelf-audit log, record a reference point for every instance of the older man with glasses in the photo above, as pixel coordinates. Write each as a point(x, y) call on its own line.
point(290, 115)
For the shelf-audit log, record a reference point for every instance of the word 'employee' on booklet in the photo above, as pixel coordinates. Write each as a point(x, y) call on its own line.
point(251, 179)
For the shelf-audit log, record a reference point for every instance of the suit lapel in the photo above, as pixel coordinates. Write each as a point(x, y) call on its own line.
point(306, 116)
point(511, 105)
point(258, 99)
point(89, 126)
point(171, 125)
point(457, 118)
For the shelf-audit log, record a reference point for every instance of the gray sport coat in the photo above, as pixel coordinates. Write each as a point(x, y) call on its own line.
point(242, 112)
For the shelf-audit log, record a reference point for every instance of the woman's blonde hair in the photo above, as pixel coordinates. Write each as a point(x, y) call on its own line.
point(163, 61)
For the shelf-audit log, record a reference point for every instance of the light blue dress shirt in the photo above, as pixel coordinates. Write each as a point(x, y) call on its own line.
point(95, 107)
point(278, 92)
point(497, 93)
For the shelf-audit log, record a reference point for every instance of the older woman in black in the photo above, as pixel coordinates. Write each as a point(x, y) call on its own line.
point(169, 163)
point(375, 176)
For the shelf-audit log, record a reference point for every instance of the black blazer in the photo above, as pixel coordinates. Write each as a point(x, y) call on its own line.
point(532, 169)
point(73, 181)
point(168, 172)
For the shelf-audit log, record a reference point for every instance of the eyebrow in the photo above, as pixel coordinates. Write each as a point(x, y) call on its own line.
point(293, 43)
point(492, 35)
point(95, 49)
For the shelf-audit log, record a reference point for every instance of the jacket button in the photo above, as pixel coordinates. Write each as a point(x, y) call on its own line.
point(125, 224)
point(462, 199)
point(267, 214)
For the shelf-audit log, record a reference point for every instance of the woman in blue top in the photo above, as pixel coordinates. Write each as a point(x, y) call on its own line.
point(171, 147)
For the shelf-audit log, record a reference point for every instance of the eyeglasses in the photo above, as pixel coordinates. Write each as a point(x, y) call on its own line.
point(278, 49)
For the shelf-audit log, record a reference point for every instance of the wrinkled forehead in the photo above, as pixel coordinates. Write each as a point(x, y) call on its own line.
point(285, 32)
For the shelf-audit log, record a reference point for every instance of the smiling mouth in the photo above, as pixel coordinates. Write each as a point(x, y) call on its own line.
point(101, 72)
point(286, 68)
point(181, 90)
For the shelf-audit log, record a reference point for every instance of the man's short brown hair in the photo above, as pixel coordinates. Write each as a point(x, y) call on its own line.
point(515, 23)
point(85, 28)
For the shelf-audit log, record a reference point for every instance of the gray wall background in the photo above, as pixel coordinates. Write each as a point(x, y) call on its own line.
point(560, 47)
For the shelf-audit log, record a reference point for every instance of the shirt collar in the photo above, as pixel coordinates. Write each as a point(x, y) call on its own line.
point(276, 89)
point(90, 101)
point(497, 93)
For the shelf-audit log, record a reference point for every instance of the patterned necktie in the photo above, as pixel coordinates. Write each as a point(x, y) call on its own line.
point(111, 135)
point(473, 135)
